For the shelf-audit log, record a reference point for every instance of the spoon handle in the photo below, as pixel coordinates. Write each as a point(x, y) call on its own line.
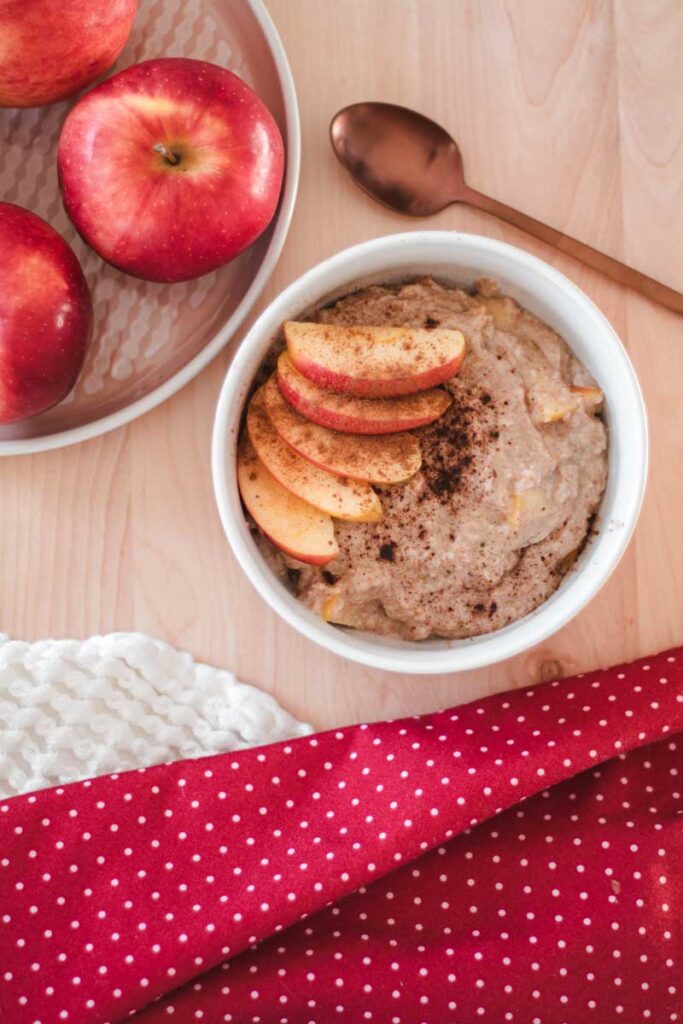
point(610, 267)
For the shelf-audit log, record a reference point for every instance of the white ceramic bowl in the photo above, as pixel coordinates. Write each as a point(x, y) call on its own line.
point(461, 259)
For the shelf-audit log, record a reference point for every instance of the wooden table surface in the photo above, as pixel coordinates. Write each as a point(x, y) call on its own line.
point(571, 111)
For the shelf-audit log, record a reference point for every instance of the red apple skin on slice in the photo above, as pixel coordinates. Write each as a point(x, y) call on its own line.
point(388, 459)
point(374, 362)
point(343, 499)
point(358, 415)
point(294, 526)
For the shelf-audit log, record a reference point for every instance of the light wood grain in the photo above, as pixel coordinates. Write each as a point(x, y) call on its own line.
point(570, 111)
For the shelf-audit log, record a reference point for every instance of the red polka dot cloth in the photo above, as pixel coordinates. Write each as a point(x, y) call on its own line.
point(516, 859)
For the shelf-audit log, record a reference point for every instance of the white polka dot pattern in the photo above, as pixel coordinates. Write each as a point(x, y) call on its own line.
point(517, 859)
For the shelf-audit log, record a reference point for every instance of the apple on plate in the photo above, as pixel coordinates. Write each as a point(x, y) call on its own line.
point(291, 524)
point(49, 49)
point(343, 499)
point(387, 459)
point(358, 415)
point(170, 168)
point(374, 362)
point(46, 315)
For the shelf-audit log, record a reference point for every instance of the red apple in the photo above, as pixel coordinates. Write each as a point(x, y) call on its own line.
point(49, 49)
point(45, 315)
point(170, 168)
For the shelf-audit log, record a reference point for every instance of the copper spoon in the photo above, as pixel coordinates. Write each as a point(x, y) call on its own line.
point(412, 165)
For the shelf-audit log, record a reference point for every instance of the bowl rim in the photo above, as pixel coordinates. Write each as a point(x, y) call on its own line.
point(412, 658)
point(281, 221)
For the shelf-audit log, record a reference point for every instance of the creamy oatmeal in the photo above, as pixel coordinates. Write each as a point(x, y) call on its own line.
point(511, 478)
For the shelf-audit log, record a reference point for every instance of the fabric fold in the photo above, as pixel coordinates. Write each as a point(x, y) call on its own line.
point(254, 886)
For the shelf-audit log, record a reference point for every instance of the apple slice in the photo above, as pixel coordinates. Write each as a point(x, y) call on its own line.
point(592, 398)
point(344, 499)
point(549, 398)
point(389, 459)
point(552, 409)
point(291, 524)
point(533, 500)
point(333, 611)
point(503, 310)
point(358, 415)
point(374, 362)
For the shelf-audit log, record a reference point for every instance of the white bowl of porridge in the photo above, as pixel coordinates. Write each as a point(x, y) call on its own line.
point(529, 485)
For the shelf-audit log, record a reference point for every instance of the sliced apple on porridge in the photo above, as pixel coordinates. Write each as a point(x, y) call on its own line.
point(374, 362)
point(549, 399)
point(591, 397)
point(294, 526)
point(358, 415)
point(524, 503)
point(387, 459)
point(345, 499)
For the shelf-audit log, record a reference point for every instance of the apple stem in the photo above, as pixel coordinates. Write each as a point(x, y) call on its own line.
point(168, 155)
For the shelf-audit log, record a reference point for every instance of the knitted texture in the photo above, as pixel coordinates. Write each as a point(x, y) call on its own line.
point(74, 709)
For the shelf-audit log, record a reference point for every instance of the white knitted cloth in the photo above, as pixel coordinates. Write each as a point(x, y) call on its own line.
point(74, 709)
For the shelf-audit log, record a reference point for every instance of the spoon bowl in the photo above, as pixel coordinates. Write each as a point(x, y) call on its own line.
point(399, 157)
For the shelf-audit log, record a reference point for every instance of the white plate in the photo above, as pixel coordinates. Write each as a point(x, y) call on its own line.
point(151, 339)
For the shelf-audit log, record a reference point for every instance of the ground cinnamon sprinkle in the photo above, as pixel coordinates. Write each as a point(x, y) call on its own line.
point(387, 551)
point(450, 445)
